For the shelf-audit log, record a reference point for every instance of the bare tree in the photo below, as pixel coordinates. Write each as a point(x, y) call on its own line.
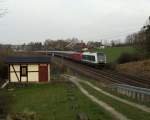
point(3, 10)
point(60, 44)
point(34, 46)
point(141, 39)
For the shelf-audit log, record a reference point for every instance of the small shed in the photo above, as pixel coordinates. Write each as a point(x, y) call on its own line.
point(29, 68)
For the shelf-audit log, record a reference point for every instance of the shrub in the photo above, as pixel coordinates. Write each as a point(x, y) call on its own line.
point(5, 103)
point(128, 57)
point(22, 116)
point(3, 70)
point(111, 66)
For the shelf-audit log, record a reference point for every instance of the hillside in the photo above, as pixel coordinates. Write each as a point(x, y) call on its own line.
point(139, 68)
point(114, 52)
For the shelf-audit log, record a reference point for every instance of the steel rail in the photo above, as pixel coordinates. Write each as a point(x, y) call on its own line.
point(108, 75)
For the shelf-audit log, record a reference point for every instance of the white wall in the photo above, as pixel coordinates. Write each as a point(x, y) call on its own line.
point(13, 77)
point(33, 67)
point(33, 76)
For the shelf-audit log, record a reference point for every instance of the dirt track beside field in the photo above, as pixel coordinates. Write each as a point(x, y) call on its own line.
point(116, 114)
point(141, 107)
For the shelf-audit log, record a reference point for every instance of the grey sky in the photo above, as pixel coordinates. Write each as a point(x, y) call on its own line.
point(37, 20)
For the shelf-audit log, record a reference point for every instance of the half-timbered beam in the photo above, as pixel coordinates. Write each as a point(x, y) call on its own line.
point(16, 73)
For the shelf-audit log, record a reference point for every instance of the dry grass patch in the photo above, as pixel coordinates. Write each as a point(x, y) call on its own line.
point(139, 67)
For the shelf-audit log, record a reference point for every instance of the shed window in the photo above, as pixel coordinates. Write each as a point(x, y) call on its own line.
point(23, 70)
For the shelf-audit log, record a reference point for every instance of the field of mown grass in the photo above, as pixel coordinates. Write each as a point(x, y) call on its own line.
point(59, 101)
point(113, 53)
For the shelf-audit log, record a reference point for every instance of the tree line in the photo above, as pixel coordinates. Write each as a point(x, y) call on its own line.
point(141, 39)
point(48, 44)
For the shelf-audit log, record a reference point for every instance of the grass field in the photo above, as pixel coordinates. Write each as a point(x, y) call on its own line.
point(114, 52)
point(60, 101)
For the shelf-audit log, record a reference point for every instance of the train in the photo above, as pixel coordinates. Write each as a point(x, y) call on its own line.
point(91, 58)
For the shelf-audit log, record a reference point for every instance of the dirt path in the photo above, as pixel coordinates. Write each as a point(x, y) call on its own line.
point(141, 107)
point(115, 113)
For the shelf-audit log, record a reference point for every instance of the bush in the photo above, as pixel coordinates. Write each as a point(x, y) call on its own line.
point(5, 103)
point(3, 70)
point(22, 116)
point(128, 57)
point(111, 66)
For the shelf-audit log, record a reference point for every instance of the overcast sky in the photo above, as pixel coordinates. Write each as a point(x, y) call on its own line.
point(37, 20)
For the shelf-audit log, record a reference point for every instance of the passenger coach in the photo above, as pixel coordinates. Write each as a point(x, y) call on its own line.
point(95, 58)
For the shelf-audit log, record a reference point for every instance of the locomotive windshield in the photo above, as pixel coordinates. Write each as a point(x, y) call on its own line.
point(101, 57)
point(100, 54)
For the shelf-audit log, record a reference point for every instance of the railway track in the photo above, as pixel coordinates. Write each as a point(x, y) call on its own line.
point(107, 75)
point(124, 78)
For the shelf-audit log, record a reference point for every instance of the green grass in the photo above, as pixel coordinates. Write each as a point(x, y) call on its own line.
point(57, 101)
point(113, 53)
point(109, 90)
point(129, 111)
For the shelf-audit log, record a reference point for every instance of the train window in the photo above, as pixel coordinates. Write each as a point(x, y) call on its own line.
point(89, 57)
point(83, 56)
point(93, 58)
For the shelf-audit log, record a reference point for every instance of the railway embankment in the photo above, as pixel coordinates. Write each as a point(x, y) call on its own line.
point(132, 95)
point(140, 68)
point(108, 76)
